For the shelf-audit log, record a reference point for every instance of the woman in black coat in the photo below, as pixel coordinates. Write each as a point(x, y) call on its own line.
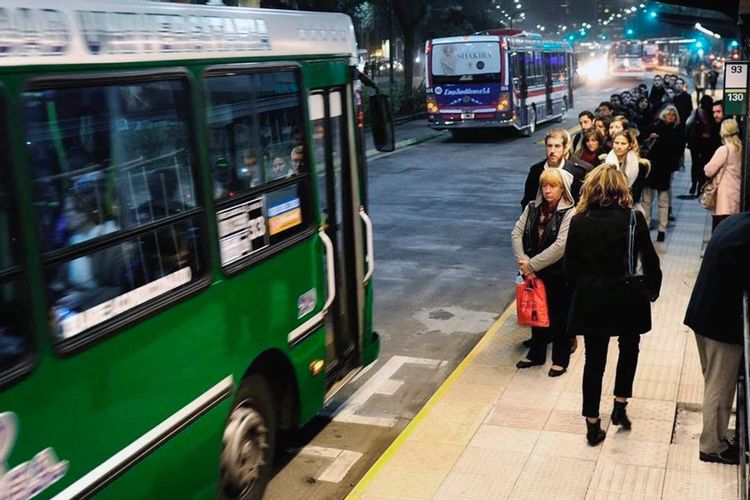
point(602, 306)
point(667, 142)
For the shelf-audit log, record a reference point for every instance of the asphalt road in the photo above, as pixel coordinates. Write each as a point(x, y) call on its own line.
point(442, 211)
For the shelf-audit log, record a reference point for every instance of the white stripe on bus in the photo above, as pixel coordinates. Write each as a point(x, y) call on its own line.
point(84, 484)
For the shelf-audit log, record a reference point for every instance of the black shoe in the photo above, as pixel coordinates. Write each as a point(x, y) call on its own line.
point(556, 373)
point(620, 415)
point(525, 363)
point(661, 236)
point(726, 457)
point(594, 432)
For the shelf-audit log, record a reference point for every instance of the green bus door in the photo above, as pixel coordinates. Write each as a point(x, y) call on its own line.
point(333, 170)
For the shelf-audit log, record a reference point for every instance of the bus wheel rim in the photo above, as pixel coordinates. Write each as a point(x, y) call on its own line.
point(244, 445)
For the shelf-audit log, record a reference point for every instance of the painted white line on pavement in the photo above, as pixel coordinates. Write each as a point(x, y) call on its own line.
point(379, 383)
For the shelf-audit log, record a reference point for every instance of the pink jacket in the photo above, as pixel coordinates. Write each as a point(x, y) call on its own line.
point(728, 194)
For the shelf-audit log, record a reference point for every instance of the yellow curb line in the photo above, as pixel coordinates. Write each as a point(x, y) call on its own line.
point(571, 131)
point(434, 399)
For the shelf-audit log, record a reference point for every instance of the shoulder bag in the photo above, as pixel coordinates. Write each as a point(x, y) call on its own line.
point(634, 282)
point(707, 198)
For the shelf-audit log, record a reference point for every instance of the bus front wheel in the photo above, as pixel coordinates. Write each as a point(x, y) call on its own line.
point(248, 442)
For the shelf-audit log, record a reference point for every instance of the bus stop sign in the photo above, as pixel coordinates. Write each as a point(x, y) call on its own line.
point(735, 88)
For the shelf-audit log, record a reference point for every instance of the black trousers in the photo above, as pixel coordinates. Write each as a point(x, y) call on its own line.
point(558, 304)
point(596, 361)
point(698, 160)
point(715, 220)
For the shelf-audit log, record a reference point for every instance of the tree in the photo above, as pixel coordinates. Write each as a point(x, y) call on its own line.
point(411, 16)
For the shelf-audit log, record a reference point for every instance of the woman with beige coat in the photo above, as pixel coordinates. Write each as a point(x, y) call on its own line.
point(725, 166)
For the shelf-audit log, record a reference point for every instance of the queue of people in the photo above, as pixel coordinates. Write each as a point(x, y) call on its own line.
point(585, 233)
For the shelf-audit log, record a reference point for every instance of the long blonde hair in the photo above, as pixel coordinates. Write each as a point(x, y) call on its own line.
point(730, 134)
point(604, 186)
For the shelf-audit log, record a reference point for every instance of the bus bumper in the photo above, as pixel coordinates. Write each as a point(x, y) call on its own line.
point(441, 123)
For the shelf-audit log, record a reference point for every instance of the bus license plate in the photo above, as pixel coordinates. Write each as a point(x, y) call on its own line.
point(467, 116)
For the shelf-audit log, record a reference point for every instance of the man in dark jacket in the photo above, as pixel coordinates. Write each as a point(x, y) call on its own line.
point(657, 93)
point(682, 100)
point(715, 315)
point(586, 121)
point(556, 142)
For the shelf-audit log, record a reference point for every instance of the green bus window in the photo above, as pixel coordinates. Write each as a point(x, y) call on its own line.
point(109, 158)
point(256, 130)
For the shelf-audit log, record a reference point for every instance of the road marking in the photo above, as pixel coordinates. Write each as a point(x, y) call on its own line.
point(435, 399)
point(343, 460)
point(380, 383)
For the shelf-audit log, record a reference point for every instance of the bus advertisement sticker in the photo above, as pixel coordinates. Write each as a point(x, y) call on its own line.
point(284, 215)
point(306, 303)
point(27, 479)
point(242, 230)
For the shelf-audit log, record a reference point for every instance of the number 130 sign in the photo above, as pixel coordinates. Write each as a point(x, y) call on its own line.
point(735, 88)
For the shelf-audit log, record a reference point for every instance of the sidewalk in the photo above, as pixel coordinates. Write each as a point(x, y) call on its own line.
point(407, 134)
point(493, 432)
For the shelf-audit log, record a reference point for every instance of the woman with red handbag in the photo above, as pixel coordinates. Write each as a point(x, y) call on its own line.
point(538, 244)
point(606, 240)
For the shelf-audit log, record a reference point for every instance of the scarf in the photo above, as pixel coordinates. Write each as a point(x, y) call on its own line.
point(629, 166)
point(590, 156)
point(545, 215)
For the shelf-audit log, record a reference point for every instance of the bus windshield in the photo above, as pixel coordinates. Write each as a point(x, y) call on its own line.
point(629, 49)
point(465, 62)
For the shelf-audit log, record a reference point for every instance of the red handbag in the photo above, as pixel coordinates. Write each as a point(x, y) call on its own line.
point(531, 303)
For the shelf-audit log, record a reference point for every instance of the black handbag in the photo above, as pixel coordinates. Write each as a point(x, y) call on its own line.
point(635, 284)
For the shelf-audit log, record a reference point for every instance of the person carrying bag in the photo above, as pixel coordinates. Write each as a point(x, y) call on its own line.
point(611, 296)
point(721, 194)
point(538, 244)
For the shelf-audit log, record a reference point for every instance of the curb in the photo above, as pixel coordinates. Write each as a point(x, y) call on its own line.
point(369, 476)
point(370, 153)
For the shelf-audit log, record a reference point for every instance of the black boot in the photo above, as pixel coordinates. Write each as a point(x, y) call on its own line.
point(620, 415)
point(594, 432)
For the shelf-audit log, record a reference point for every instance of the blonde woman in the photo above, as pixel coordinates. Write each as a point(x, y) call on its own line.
point(601, 306)
point(667, 142)
point(725, 166)
point(538, 244)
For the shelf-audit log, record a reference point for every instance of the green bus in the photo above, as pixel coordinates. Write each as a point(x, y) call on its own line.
point(185, 253)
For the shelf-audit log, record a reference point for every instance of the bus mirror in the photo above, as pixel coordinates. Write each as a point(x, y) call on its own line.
point(382, 123)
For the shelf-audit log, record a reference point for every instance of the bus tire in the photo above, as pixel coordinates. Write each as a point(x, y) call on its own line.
point(529, 130)
point(248, 443)
point(563, 109)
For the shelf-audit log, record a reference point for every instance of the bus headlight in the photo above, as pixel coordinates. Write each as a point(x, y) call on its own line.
point(432, 106)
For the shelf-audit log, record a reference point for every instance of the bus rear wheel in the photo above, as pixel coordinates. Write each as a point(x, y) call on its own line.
point(248, 442)
point(531, 127)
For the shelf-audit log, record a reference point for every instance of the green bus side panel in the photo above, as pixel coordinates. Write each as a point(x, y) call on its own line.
point(311, 389)
point(93, 404)
point(186, 467)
